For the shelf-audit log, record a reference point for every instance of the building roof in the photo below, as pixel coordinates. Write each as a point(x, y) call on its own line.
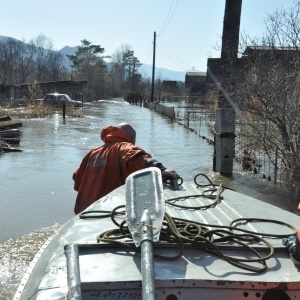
point(268, 48)
point(196, 74)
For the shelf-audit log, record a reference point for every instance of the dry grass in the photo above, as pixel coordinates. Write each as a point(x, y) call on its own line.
point(38, 110)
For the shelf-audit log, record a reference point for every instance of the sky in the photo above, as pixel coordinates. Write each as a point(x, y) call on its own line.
point(188, 32)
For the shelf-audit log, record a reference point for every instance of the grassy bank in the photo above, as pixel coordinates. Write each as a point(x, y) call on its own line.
point(38, 110)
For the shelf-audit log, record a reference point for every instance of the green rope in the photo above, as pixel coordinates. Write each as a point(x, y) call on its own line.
point(181, 233)
point(216, 198)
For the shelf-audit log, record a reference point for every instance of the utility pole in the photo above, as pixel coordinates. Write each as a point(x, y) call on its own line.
point(153, 69)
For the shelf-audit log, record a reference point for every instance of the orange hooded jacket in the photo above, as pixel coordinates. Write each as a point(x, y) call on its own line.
point(106, 168)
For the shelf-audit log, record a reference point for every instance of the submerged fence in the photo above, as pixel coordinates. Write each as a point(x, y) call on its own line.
point(200, 120)
point(167, 111)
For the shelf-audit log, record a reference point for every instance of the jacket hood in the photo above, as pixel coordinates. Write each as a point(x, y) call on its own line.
point(113, 134)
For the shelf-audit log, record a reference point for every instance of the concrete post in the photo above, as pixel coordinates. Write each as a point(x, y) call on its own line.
point(224, 141)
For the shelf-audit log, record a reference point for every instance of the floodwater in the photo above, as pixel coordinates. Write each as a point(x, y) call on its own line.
point(36, 187)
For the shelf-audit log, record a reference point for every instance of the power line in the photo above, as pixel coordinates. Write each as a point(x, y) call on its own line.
point(165, 26)
point(167, 52)
point(166, 17)
point(170, 58)
point(147, 59)
point(170, 52)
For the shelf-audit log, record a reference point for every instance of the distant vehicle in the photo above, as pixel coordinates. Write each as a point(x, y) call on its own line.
point(58, 99)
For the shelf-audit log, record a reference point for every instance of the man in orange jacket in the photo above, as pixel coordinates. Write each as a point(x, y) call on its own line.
point(106, 168)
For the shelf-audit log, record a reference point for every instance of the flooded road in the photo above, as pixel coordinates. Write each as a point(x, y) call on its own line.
point(36, 188)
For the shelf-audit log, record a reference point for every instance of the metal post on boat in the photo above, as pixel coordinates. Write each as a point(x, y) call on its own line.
point(73, 271)
point(147, 264)
point(145, 210)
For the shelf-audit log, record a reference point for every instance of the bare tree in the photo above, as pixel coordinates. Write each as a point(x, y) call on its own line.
point(119, 68)
point(115, 75)
point(131, 64)
point(270, 92)
point(99, 82)
point(43, 46)
point(25, 64)
point(34, 91)
point(56, 69)
point(7, 61)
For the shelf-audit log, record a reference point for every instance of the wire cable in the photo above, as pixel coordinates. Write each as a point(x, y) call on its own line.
point(165, 25)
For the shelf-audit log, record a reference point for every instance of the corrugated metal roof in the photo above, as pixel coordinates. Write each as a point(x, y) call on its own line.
point(194, 74)
point(269, 48)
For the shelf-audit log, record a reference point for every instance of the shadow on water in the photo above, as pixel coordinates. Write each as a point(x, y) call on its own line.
point(36, 191)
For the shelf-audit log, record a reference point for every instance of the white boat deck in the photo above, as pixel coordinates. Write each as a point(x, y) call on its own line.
point(110, 272)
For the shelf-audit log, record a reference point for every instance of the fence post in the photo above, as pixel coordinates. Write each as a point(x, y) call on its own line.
point(64, 110)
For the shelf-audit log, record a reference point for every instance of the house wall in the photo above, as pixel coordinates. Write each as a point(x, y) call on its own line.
point(75, 89)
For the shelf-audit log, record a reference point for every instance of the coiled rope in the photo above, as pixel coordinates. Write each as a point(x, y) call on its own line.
point(181, 233)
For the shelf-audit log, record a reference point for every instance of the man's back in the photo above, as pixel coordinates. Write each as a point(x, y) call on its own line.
point(106, 168)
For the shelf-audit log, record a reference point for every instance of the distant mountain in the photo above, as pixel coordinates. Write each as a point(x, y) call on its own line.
point(3, 38)
point(161, 73)
point(144, 70)
point(68, 50)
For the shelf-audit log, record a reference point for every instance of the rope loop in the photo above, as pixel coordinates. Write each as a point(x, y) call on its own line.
point(179, 234)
